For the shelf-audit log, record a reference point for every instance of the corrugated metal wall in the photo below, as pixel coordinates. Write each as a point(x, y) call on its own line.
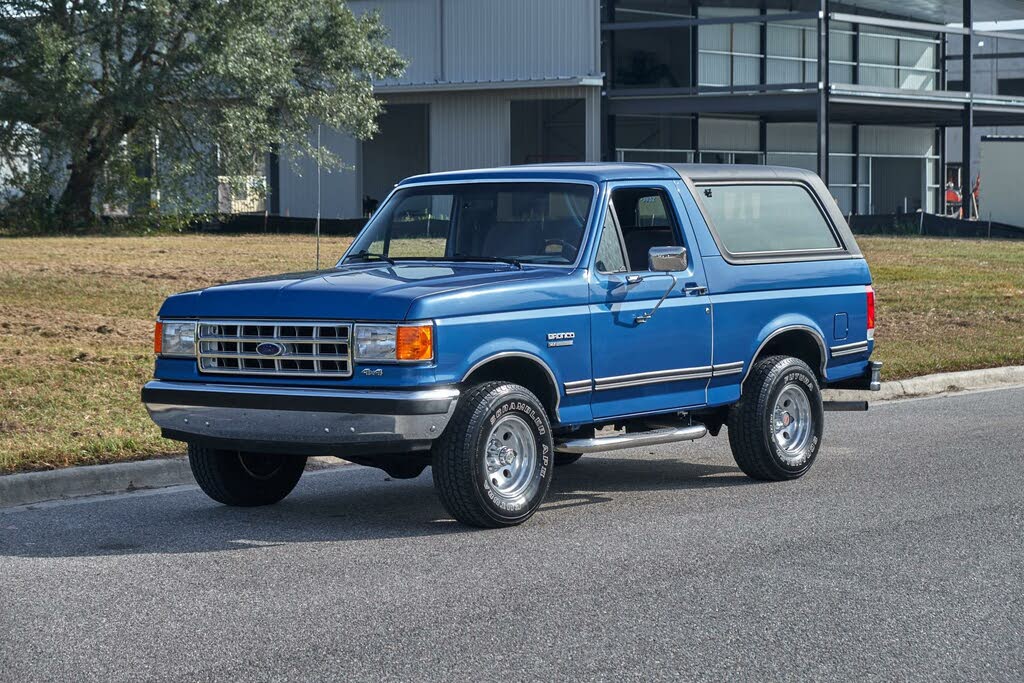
point(472, 41)
point(413, 26)
point(497, 40)
point(339, 190)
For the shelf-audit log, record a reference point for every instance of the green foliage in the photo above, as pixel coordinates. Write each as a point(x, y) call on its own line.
point(137, 107)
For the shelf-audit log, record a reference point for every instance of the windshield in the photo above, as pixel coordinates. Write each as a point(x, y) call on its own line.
point(514, 222)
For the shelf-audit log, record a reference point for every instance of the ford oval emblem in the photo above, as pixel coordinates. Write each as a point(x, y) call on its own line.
point(269, 349)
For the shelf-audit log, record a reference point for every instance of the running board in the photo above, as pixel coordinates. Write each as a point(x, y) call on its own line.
point(635, 440)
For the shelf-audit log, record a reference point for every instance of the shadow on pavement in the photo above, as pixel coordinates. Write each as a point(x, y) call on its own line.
point(331, 507)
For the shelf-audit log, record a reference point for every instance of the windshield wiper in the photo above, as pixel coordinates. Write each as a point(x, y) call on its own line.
point(367, 256)
point(488, 259)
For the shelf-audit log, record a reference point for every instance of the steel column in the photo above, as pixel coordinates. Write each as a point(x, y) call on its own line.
point(968, 115)
point(823, 89)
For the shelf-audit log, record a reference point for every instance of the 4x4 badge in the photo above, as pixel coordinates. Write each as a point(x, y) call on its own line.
point(561, 338)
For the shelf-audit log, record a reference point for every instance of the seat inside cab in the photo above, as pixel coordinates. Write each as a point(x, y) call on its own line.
point(646, 221)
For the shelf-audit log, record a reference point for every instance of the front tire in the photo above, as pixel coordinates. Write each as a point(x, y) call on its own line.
point(493, 465)
point(244, 479)
point(775, 429)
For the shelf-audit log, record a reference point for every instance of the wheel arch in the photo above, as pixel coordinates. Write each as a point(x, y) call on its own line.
point(799, 340)
point(523, 368)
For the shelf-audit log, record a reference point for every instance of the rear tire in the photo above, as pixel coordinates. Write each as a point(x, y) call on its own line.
point(493, 465)
point(775, 429)
point(244, 479)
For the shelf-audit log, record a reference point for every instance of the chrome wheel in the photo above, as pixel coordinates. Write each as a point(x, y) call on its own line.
point(793, 424)
point(510, 462)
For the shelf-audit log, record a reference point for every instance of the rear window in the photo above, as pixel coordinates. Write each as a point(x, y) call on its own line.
point(749, 219)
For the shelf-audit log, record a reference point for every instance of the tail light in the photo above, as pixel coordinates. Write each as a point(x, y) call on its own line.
point(871, 312)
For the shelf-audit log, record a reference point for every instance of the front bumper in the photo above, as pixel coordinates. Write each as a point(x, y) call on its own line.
point(302, 421)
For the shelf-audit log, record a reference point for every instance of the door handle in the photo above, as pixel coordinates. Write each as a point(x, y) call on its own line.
point(693, 289)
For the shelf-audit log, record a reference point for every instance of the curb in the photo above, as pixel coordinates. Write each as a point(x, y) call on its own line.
point(930, 385)
point(91, 480)
point(96, 480)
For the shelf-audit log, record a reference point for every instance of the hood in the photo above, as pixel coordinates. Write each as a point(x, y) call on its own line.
point(376, 291)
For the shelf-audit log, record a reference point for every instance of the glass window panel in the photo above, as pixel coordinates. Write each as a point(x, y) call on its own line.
point(766, 218)
point(533, 222)
point(651, 58)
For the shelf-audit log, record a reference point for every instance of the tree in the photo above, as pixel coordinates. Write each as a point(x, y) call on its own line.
point(90, 87)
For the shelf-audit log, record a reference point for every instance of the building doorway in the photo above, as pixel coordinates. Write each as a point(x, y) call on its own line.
point(897, 185)
point(400, 149)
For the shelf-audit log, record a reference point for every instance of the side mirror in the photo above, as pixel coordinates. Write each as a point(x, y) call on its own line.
point(667, 259)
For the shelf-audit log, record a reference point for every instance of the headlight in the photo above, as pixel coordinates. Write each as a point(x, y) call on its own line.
point(383, 343)
point(175, 338)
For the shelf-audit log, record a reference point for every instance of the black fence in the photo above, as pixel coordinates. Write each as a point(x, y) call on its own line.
point(930, 225)
point(257, 223)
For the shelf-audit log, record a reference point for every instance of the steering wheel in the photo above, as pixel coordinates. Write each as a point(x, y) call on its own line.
point(566, 247)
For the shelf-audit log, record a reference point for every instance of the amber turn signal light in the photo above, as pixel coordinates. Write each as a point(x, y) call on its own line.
point(415, 342)
point(158, 338)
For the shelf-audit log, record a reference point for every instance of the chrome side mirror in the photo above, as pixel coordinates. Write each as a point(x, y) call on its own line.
point(667, 259)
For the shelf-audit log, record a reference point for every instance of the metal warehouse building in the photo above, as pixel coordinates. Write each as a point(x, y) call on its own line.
point(871, 94)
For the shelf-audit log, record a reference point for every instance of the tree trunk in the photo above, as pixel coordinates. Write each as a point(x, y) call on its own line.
point(74, 210)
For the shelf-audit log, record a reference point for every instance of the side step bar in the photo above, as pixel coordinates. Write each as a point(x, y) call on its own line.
point(635, 440)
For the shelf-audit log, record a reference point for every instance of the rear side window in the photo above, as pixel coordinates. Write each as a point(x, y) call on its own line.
point(750, 219)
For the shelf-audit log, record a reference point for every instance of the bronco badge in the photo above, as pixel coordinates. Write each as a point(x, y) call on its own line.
point(560, 338)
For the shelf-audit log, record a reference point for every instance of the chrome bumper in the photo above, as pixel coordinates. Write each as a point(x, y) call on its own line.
point(302, 421)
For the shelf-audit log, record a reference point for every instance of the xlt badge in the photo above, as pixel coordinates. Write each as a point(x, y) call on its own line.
point(560, 338)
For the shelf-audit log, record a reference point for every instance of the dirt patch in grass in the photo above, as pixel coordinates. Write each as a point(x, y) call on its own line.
point(76, 319)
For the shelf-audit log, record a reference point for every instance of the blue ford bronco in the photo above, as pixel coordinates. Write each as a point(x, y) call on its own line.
point(494, 324)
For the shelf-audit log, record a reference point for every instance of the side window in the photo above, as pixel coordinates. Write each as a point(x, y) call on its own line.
point(647, 220)
point(610, 258)
point(750, 219)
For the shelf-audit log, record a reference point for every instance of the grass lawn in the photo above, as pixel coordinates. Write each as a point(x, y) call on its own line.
point(76, 318)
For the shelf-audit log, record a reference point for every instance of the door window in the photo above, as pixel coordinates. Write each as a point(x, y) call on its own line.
point(646, 219)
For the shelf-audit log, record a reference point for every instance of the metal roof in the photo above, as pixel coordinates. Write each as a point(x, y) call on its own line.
point(939, 11)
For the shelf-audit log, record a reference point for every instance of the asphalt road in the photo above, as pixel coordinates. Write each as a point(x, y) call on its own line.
point(899, 556)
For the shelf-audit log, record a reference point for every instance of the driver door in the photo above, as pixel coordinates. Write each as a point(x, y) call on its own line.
point(662, 364)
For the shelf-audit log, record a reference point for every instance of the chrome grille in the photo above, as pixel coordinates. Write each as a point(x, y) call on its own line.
point(289, 347)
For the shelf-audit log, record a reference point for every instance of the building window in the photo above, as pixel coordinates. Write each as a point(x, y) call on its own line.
point(547, 130)
point(665, 139)
point(1011, 86)
point(651, 58)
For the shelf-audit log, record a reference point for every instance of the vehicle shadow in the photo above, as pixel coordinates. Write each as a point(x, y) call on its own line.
point(336, 506)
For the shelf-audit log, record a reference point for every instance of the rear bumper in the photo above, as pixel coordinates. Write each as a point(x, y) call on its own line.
point(300, 420)
point(870, 380)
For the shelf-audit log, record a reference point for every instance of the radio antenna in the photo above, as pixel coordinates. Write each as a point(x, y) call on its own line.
point(318, 196)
